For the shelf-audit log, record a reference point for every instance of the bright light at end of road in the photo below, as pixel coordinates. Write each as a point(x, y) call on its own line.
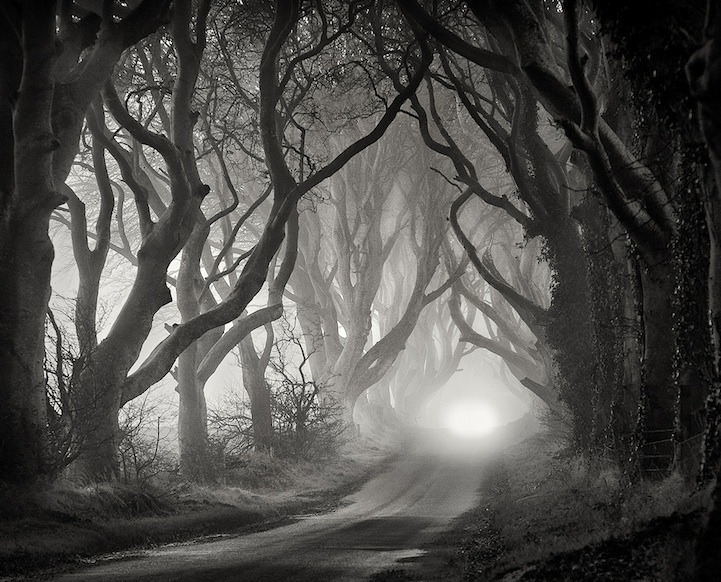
point(469, 419)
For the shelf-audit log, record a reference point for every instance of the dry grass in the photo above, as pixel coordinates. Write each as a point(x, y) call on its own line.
point(548, 516)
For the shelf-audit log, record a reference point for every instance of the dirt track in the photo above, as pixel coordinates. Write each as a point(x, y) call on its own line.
point(386, 521)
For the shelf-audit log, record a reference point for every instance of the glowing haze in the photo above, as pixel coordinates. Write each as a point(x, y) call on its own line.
point(468, 418)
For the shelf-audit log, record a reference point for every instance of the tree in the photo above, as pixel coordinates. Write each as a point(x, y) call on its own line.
point(287, 191)
point(45, 95)
point(540, 203)
point(255, 384)
point(639, 198)
point(103, 384)
point(387, 200)
point(99, 384)
point(703, 76)
point(431, 357)
point(512, 329)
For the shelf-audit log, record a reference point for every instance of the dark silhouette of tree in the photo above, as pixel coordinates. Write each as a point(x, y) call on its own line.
point(55, 61)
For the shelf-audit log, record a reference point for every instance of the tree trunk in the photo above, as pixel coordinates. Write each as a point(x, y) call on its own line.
point(337, 383)
point(192, 419)
point(26, 256)
point(570, 331)
point(259, 394)
point(98, 379)
point(626, 404)
point(694, 360)
point(311, 328)
point(614, 413)
point(704, 75)
point(659, 394)
point(97, 406)
point(25, 270)
point(192, 411)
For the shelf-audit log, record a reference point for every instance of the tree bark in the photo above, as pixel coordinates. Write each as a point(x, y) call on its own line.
point(570, 331)
point(704, 75)
point(659, 393)
point(192, 419)
point(26, 254)
point(100, 376)
point(259, 394)
point(192, 411)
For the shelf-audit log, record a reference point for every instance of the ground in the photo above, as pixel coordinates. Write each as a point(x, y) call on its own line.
point(542, 514)
point(546, 515)
point(42, 533)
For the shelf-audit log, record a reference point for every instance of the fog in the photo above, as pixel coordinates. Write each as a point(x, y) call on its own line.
point(396, 290)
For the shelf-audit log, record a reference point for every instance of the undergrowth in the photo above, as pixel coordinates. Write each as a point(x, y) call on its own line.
point(545, 515)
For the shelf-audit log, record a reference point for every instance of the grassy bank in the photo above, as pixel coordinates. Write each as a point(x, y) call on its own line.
point(544, 515)
point(547, 516)
point(69, 524)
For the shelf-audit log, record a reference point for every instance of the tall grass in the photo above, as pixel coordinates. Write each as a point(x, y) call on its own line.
point(541, 505)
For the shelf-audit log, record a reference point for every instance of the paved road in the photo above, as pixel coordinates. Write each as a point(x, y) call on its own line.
point(386, 521)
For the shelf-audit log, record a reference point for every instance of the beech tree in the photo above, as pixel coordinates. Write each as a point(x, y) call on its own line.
point(433, 354)
point(539, 202)
point(176, 197)
point(98, 385)
point(429, 284)
point(56, 59)
point(702, 72)
point(287, 191)
point(506, 334)
point(529, 45)
point(387, 226)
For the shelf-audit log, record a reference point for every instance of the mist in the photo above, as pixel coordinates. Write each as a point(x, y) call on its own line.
point(359, 290)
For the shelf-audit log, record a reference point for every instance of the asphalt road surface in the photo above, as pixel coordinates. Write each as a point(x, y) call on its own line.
point(386, 521)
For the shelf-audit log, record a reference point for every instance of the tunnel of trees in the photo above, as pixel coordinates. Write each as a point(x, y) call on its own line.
point(349, 198)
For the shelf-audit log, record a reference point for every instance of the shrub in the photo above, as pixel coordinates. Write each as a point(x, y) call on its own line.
point(145, 449)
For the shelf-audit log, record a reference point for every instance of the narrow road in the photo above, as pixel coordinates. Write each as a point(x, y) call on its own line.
point(386, 521)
